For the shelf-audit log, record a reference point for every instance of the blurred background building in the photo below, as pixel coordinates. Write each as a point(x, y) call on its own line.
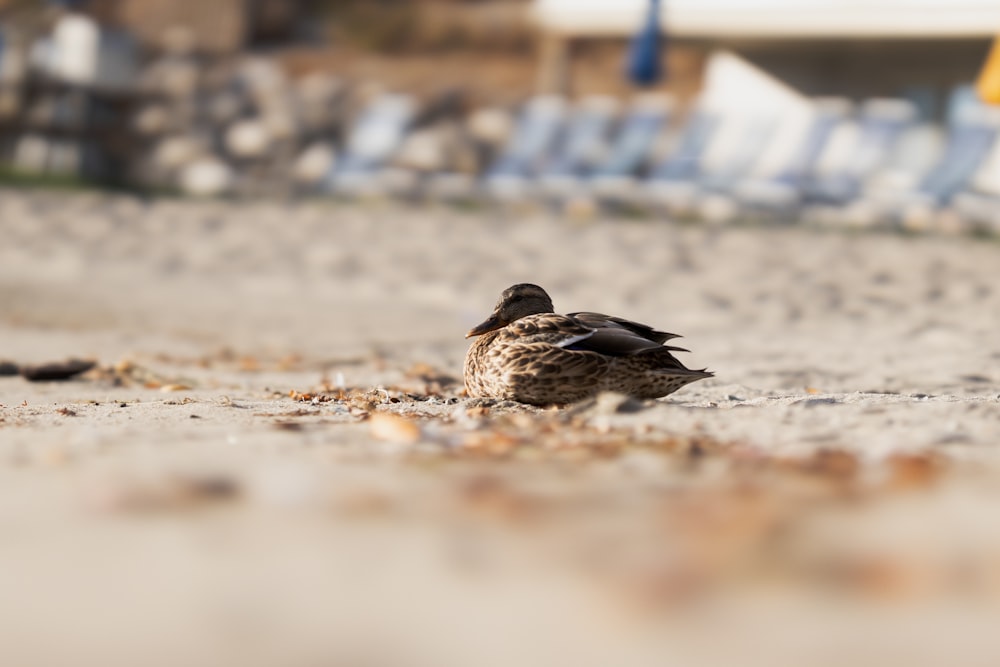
point(858, 48)
point(452, 99)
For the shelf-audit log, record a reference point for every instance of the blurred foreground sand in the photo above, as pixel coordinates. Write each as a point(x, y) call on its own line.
point(233, 484)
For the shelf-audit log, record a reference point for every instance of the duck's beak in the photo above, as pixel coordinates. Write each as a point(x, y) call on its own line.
point(491, 324)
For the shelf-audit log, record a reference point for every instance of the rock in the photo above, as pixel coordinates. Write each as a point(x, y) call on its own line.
point(314, 163)
point(248, 139)
point(173, 153)
point(152, 120)
point(423, 150)
point(491, 126)
point(207, 177)
point(225, 107)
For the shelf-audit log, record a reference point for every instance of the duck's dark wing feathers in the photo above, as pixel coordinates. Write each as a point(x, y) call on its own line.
point(618, 337)
point(593, 332)
point(599, 320)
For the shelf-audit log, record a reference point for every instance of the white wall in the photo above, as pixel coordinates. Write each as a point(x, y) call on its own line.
point(778, 18)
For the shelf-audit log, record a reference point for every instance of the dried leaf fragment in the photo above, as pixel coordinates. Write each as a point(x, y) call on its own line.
point(172, 493)
point(913, 471)
point(62, 370)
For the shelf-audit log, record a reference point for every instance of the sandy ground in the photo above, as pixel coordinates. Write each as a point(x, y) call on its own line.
point(273, 464)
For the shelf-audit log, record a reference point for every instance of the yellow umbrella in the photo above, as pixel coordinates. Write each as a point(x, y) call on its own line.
point(988, 83)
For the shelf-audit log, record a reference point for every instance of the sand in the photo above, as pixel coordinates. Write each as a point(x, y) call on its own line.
point(273, 464)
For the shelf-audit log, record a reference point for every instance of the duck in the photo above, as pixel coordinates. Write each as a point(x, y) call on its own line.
point(526, 352)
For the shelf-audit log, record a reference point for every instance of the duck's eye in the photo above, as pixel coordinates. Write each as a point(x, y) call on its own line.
point(513, 298)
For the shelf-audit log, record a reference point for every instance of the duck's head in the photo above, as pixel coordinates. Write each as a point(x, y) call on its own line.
point(515, 302)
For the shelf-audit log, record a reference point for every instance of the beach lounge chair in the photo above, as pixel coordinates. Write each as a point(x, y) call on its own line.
point(880, 125)
point(971, 136)
point(370, 144)
point(778, 192)
point(535, 136)
point(485, 131)
point(967, 147)
point(977, 207)
point(916, 154)
point(631, 148)
point(714, 154)
point(966, 155)
point(583, 144)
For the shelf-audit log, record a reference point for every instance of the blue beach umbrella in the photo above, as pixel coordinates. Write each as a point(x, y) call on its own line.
point(643, 66)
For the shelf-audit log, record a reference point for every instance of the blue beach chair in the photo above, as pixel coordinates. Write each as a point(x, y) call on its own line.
point(971, 136)
point(631, 149)
point(881, 124)
point(583, 144)
point(718, 151)
point(780, 192)
point(532, 143)
point(977, 206)
point(370, 144)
